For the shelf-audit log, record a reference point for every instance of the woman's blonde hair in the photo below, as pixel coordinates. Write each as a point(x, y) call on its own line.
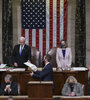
point(71, 78)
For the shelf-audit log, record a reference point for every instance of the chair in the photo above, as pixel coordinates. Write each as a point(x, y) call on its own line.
point(52, 53)
point(36, 56)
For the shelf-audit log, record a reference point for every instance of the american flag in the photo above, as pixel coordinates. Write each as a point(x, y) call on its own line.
point(44, 23)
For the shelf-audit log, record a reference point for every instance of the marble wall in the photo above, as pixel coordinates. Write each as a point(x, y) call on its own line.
point(0, 31)
point(71, 26)
point(16, 21)
point(88, 32)
point(88, 40)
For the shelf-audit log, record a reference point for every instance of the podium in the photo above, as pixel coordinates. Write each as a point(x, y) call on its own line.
point(40, 90)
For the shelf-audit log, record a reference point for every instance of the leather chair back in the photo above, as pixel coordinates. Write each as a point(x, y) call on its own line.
point(36, 56)
point(52, 53)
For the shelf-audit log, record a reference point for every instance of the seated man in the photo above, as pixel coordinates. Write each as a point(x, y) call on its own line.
point(72, 87)
point(9, 87)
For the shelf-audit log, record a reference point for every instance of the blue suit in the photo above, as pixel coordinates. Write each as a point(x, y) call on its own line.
point(46, 74)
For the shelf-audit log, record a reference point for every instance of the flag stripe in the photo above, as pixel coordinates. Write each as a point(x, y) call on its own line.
point(37, 38)
point(58, 22)
point(54, 22)
point(61, 18)
point(44, 42)
point(30, 37)
point(51, 24)
point(47, 25)
point(41, 41)
point(23, 32)
point(34, 37)
point(65, 19)
point(26, 36)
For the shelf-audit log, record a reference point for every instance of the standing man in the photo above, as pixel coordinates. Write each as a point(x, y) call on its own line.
point(21, 54)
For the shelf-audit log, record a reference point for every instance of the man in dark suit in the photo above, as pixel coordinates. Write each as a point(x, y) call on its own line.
point(21, 53)
point(47, 73)
point(9, 87)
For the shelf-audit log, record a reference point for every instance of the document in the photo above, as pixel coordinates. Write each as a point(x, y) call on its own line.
point(17, 69)
point(31, 66)
point(79, 68)
point(3, 69)
point(3, 65)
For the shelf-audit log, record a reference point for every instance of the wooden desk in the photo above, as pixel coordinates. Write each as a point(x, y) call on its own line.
point(59, 79)
point(72, 98)
point(61, 98)
point(15, 97)
point(40, 89)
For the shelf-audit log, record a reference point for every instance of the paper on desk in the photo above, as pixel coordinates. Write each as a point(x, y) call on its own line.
point(71, 96)
point(79, 68)
point(30, 65)
point(3, 69)
point(17, 69)
point(2, 65)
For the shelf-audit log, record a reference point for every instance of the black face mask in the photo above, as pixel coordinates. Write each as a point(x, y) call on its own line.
point(71, 84)
point(8, 83)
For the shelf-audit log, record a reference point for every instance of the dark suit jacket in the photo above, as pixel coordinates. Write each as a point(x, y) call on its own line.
point(46, 74)
point(24, 57)
point(14, 89)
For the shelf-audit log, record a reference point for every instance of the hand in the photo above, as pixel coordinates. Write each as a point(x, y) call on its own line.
point(44, 56)
point(59, 69)
point(89, 68)
point(29, 61)
point(72, 94)
point(15, 64)
point(7, 87)
point(35, 69)
point(31, 74)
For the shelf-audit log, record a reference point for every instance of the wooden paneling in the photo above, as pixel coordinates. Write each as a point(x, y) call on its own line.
point(40, 89)
point(59, 79)
point(72, 98)
point(15, 97)
point(40, 99)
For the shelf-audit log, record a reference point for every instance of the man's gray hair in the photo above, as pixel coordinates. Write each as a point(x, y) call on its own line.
point(8, 77)
point(22, 38)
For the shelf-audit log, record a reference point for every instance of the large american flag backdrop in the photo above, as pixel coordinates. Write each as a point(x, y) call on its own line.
point(44, 23)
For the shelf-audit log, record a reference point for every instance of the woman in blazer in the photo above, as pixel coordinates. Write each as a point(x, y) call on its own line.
point(63, 56)
point(72, 87)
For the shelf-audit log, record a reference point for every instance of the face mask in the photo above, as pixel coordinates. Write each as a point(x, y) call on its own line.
point(70, 84)
point(8, 83)
point(62, 45)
